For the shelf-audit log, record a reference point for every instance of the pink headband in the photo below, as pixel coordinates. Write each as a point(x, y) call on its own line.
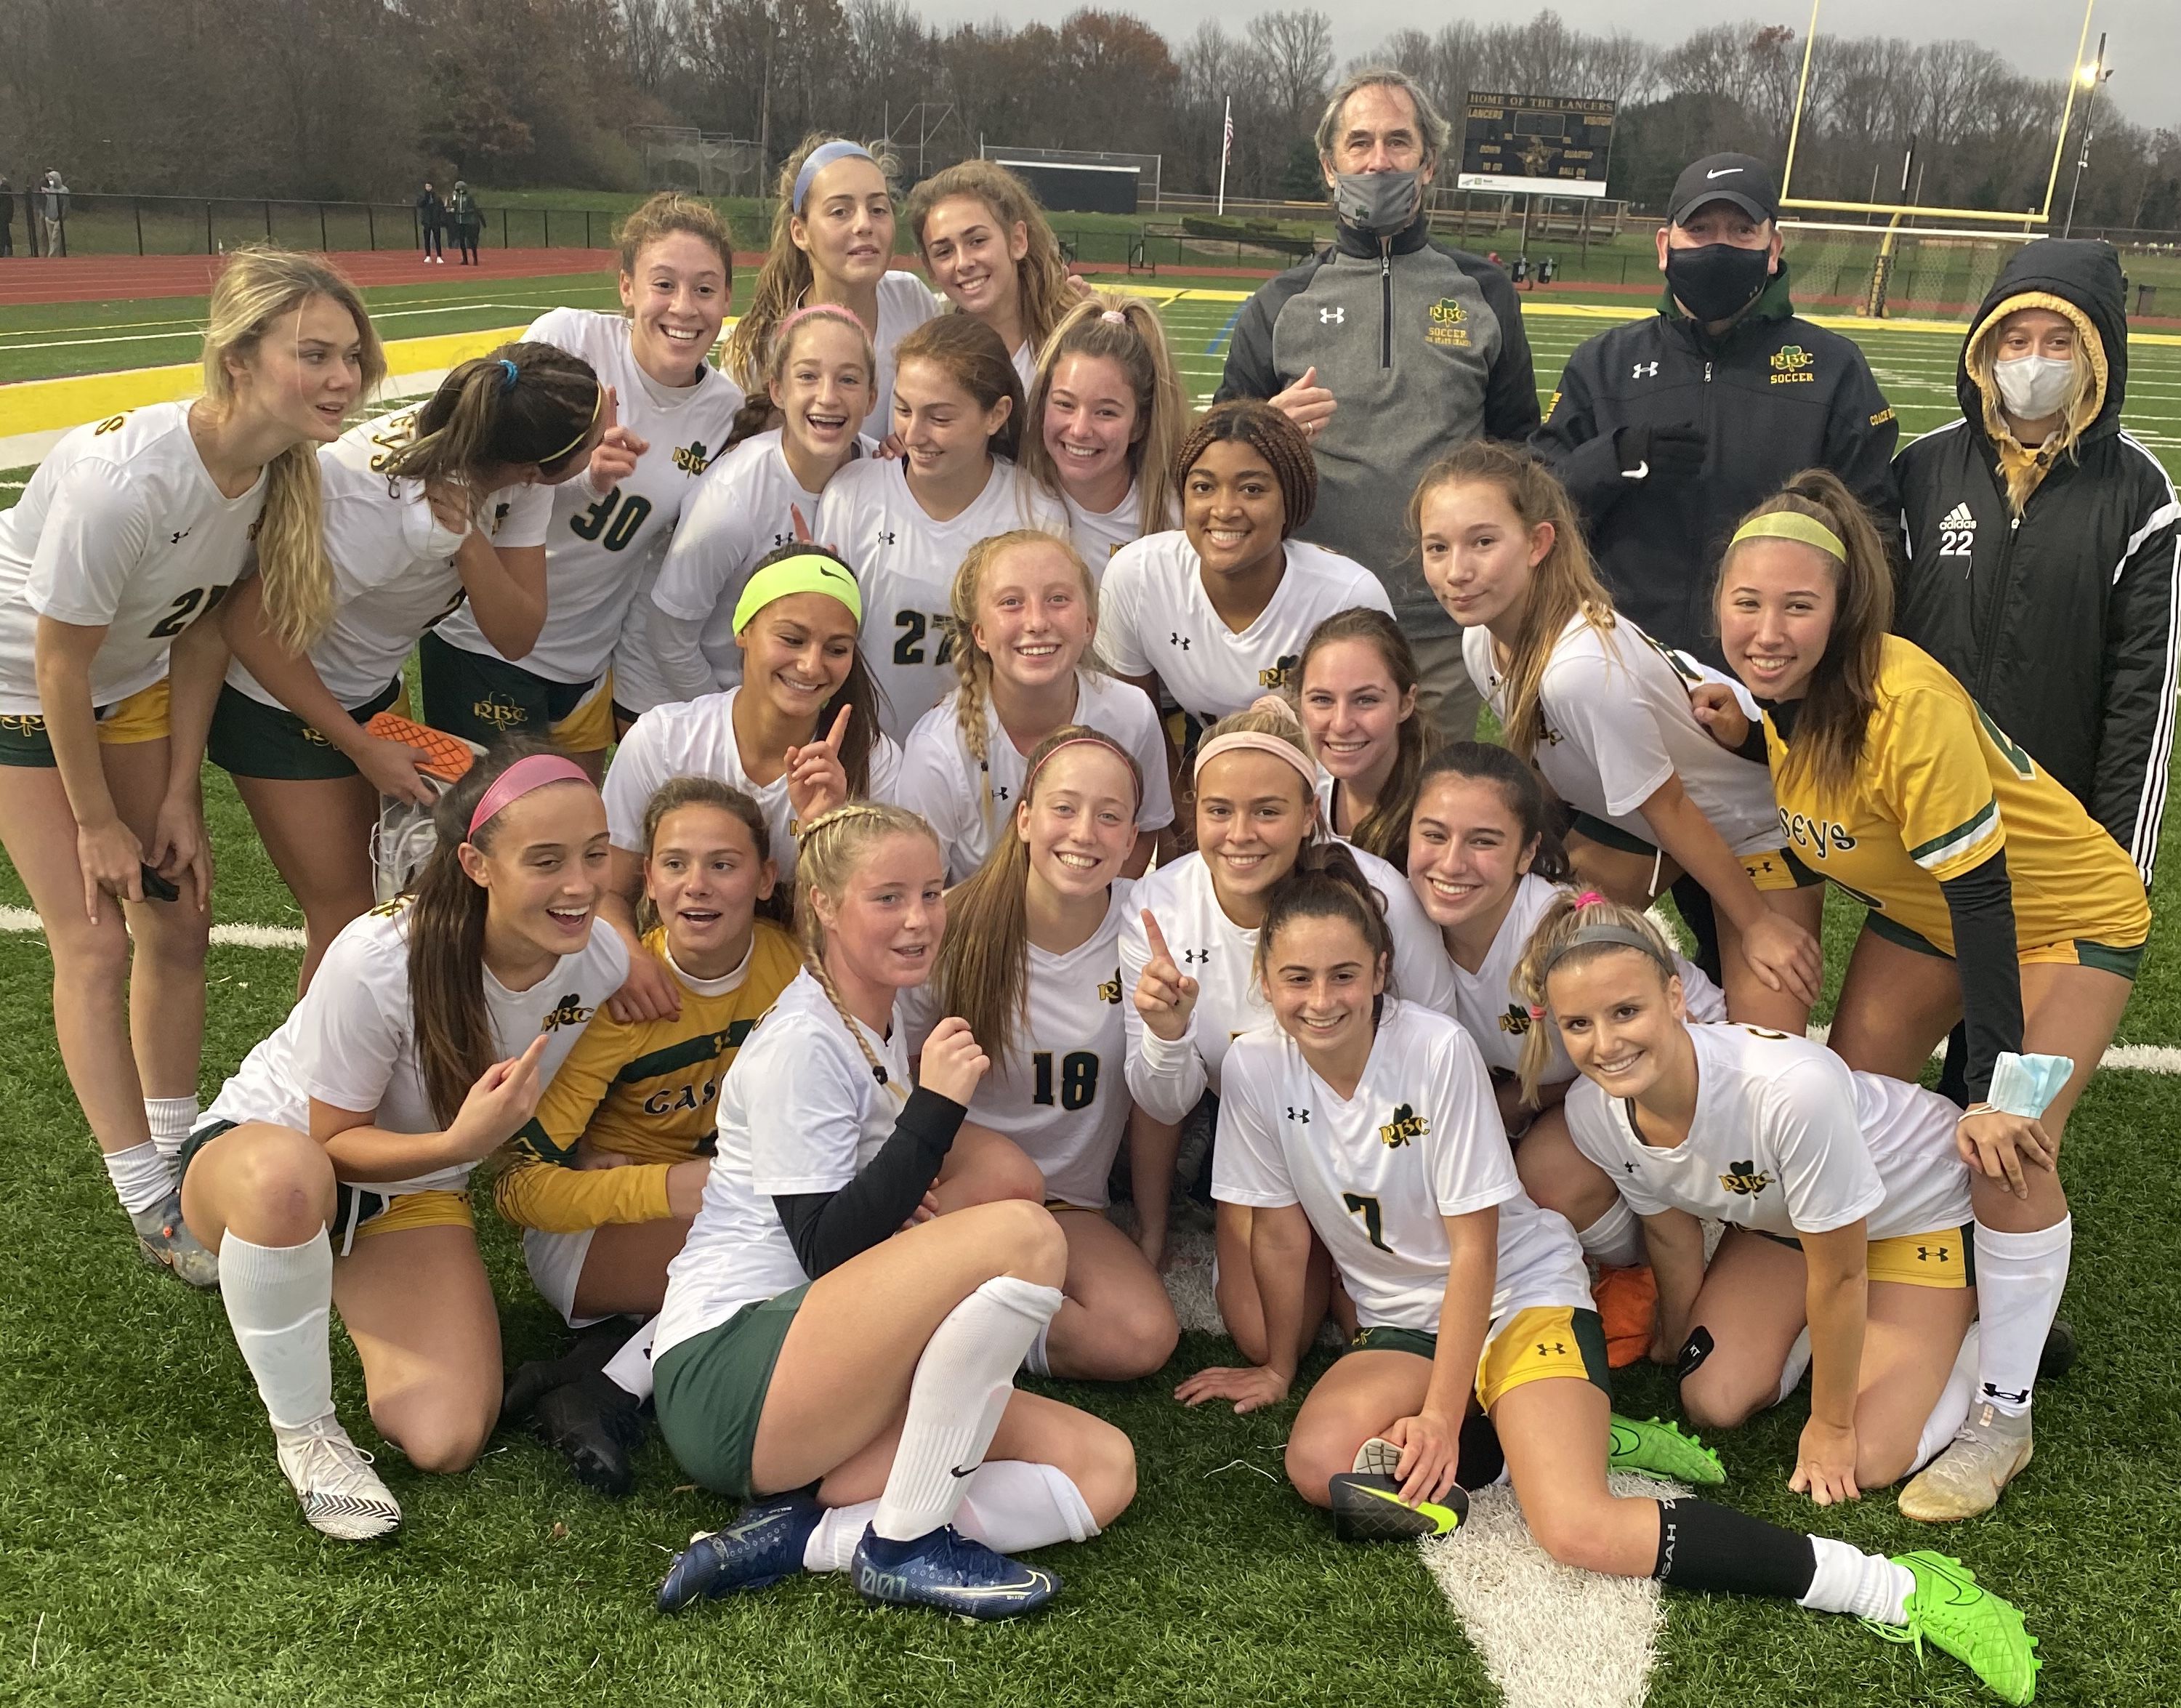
point(531, 771)
point(1249, 741)
point(1098, 741)
point(831, 310)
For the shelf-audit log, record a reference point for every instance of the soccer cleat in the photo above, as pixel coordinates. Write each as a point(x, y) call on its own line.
point(948, 1571)
point(760, 1548)
point(165, 1242)
point(2058, 1356)
point(1982, 1632)
point(1987, 1454)
point(341, 1494)
point(596, 1425)
point(1367, 1505)
point(1662, 1450)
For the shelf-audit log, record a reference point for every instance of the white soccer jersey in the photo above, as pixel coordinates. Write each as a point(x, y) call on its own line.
point(598, 547)
point(1487, 1002)
point(1378, 1172)
point(1061, 1091)
point(350, 1041)
point(1786, 1140)
point(800, 1112)
point(122, 528)
point(1617, 725)
point(905, 303)
point(940, 780)
point(1098, 534)
point(745, 508)
point(905, 562)
point(394, 565)
point(1154, 617)
point(696, 737)
point(1025, 360)
point(1168, 1078)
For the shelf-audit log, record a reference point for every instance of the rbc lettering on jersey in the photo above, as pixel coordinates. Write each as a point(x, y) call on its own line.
point(691, 458)
point(1281, 674)
point(1446, 327)
point(1792, 365)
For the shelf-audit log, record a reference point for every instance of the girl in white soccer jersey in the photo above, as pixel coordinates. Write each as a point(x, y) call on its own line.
point(1356, 691)
point(1779, 1139)
point(1024, 611)
point(761, 496)
point(333, 1169)
point(908, 522)
point(1369, 1122)
point(822, 1327)
point(1186, 953)
point(1031, 963)
point(439, 505)
point(669, 412)
point(131, 530)
point(1217, 611)
point(832, 242)
point(987, 244)
point(1108, 417)
point(1604, 712)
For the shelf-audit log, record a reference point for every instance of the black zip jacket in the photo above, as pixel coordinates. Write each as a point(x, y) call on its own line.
point(1773, 394)
point(2061, 623)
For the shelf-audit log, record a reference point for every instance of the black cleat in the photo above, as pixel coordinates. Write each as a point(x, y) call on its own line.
point(2060, 1352)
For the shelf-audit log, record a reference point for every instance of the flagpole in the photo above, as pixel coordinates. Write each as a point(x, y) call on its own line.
point(1226, 147)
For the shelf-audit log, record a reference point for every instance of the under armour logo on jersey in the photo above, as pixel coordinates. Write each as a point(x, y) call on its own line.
point(1178, 639)
point(177, 539)
point(1296, 1114)
point(1190, 957)
point(1628, 1168)
point(886, 536)
point(1552, 1349)
point(1645, 370)
point(1933, 1254)
point(1332, 316)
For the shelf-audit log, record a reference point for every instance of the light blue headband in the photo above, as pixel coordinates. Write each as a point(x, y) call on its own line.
point(824, 155)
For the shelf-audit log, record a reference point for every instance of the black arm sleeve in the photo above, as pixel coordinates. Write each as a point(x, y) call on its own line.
point(827, 1229)
point(1981, 903)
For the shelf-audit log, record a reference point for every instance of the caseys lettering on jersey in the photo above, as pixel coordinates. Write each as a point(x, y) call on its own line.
point(1824, 836)
point(1407, 1124)
point(1742, 1179)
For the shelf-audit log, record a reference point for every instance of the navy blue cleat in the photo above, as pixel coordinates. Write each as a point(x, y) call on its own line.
point(761, 1547)
point(948, 1571)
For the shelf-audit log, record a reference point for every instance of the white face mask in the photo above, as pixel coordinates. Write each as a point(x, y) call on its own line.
point(2034, 387)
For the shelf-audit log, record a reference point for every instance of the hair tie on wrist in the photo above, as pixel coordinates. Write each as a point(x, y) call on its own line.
point(510, 375)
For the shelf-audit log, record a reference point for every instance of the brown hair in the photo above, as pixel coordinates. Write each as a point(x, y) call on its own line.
point(1125, 331)
point(678, 791)
point(1524, 795)
point(1547, 948)
point(858, 690)
point(524, 403)
point(1384, 830)
point(970, 354)
point(1328, 884)
point(758, 409)
point(670, 211)
point(973, 665)
point(1274, 437)
point(1564, 585)
point(1042, 282)
point(983, 971)
point(1833, 721)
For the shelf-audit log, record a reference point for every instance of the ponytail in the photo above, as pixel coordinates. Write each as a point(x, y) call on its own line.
point(1557, 941)
point(1328, 884)
point(524, 404)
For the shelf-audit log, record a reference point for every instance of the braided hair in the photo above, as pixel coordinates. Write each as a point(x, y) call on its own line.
point(1274, 437)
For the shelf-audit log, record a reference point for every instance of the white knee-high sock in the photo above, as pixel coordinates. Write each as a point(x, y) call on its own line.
point(956, 1400)
point(1616, 1239)
point(630, 1369)
point(171, 1119)
point(2020, 1280)
point(278, 1298)
point(1952, 1405)
point(1848, 1580)
point(1007, 1504)
point(1038, 1361)
point(1799, 1360)
point(141, 1177)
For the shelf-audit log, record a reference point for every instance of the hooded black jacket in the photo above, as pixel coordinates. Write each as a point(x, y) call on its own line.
point(2061, 625)
point(1775, 394)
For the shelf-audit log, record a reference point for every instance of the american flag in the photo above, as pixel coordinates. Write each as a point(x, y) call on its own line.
point(1227, 146)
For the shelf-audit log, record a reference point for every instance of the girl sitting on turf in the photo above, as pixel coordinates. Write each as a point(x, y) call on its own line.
point(906, 523)
point(608, 1174)
point(1031, 962)
point(1357, 693)
point(1025, 610)
point(987, 244)
point(1369, 1122)
point(129, 530)
point(759, 496)
point(668, 410)
point(333, 1169)
point(426, 511)
point(1108, 417)
point(1604, 712)
point(810, 1338)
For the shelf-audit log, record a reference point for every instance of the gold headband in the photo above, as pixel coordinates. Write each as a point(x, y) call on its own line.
point(1792, 524)
point(597, 404)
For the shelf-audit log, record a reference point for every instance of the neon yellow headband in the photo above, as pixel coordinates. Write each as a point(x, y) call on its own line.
point(1792, 524)
point(807, 571)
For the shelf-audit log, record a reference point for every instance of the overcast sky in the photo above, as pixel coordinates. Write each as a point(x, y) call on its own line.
point(2144, 52)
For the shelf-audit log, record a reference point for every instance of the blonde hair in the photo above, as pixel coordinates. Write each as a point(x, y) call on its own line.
point(973, 665)
point(1564, 585)
point(2025, 471)
point(1043, 285)
point(1548, 950)
point(259, 287)
point(829, 849)
point(1124, 330)
point(1267, 715)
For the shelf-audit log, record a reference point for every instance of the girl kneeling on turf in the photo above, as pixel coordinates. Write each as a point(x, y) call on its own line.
point(1370, 1122)
point(822, 1327)
point(333, 1169)
point(1025, 611)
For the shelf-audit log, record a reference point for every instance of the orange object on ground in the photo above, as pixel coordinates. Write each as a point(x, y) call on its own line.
point(1627, 1302)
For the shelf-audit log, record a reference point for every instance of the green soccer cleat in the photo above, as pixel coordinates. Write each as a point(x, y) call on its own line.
point(1369, 1509)
point(1979, 1629)
point(1663, 1451)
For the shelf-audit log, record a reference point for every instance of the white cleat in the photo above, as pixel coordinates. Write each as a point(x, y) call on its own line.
point(1987, 1454)
point(341, 1494)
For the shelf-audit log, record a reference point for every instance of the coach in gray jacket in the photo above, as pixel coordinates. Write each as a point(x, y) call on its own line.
point(1389, 349)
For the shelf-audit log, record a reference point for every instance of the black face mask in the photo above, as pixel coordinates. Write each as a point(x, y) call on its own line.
point(1717, 281)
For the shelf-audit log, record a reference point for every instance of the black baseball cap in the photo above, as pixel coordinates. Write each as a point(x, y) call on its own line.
point(1741, 179)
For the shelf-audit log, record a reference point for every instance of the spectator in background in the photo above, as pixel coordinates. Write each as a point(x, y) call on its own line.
point(7, 216)
point(53, 210)
point(1388, 349)
point(469, 219)
point(431, 220)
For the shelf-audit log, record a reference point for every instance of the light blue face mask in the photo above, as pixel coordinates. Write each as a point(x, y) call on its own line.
point(2026, 1085)
point(2034, 387)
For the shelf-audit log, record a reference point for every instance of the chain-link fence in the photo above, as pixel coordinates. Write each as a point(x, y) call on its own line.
point(91, 225)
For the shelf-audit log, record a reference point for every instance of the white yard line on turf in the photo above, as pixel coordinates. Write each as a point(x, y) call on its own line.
point(191, 330)
point(233, 937)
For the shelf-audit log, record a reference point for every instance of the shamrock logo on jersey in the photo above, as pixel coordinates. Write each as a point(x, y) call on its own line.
point(1447, 329)
point(569, 1011)
point(1407, 1124)
point(1281, 673)
point(1742, 1179)
point(692, 458)
point(1109, 991)
point(1515, 1022)
point(498, 712)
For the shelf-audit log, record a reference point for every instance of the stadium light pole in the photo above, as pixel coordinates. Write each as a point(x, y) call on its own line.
point(2093, 77)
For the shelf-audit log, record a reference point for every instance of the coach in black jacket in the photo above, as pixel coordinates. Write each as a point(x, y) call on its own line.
point(1666, 430)
point(2043, 549)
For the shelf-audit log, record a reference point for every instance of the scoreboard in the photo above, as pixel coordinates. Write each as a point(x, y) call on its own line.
point(1536, 144)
